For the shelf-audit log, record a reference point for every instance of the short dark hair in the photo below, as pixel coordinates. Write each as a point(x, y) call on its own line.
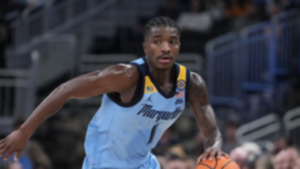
point(160, 21)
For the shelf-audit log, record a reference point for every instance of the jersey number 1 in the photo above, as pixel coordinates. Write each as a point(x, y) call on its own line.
point(152, 133)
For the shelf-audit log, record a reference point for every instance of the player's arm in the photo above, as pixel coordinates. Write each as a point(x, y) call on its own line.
point(205, 116)
point(117, 78)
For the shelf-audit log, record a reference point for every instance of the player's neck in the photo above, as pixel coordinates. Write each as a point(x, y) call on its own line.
point(162, 76)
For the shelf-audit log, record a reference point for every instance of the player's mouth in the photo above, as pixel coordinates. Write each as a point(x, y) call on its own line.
point(165, 59)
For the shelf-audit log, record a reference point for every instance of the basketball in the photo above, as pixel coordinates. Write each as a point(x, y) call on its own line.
point(222, 163)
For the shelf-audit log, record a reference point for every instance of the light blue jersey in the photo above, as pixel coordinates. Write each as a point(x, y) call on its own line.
point(122, 135)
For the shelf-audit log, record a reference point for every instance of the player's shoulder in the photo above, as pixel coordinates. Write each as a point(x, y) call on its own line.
point(127, 73)
point(197, 86)
point(196, 79)
point(122, 68)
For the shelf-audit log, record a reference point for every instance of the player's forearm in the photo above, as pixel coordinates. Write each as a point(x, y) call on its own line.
point(213, 134)
point(214, 140)
point(208, 124)
point(48, 107)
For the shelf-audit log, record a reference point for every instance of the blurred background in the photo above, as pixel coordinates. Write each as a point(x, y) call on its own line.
point(246, 50)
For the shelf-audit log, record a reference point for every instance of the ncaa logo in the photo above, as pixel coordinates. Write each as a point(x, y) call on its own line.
point(181, 84)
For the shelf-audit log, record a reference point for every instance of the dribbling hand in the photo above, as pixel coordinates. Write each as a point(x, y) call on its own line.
point(210, 153)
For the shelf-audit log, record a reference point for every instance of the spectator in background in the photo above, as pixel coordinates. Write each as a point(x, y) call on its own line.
point(235, 8)
point(230, 141)
point(286, 159)
point(297, 165)
point(40, 159)
point(281, 143)
point(189, 163)
point(254, 152)
point(239, 155)
point(170, 8)
point(196, 19)
point(264, 162)
point(174, 163)
point(246, 155)
point(15, 165)
point(193, 146)
point(272, 8)
point(175, 158)
point(250, 16)
point(196, 24)
point(11, 165)
point(177, 161)
point(216, 9)
point(172, 153)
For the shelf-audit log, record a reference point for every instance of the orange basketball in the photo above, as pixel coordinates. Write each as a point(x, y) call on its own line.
point(222, 163)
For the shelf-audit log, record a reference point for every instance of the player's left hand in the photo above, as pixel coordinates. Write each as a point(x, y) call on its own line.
point(210, 153)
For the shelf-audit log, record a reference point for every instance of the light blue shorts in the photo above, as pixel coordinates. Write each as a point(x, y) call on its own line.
point(151, 163)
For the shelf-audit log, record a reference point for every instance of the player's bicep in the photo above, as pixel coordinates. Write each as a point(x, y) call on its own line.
point(198, 98)
point(117, 78)
point(112, 79)
point(198, 92)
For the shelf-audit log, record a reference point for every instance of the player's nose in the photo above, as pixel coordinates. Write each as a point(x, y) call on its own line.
point(165, 47)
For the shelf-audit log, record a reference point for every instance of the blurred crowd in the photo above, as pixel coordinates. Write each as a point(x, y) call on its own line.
point(199, 20)
point(203, 20)
point(178, 148)
point(278, 153)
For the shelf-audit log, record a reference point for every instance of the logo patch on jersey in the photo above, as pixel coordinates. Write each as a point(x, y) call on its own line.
point(181, 84)
point(149, 86)
point(149, 99)
point(179, 94)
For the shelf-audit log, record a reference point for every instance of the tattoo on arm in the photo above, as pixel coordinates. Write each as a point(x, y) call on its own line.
point(198, 90)
point(203, 111)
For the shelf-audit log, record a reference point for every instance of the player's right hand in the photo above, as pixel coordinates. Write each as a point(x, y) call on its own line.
point(13, 143)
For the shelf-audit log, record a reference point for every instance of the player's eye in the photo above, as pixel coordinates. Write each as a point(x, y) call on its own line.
point(157, 42)
point(173, 42)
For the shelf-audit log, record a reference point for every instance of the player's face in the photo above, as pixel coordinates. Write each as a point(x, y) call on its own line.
point(161, 47)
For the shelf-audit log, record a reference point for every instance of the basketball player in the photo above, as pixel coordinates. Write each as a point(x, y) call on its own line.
point(140, 101)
